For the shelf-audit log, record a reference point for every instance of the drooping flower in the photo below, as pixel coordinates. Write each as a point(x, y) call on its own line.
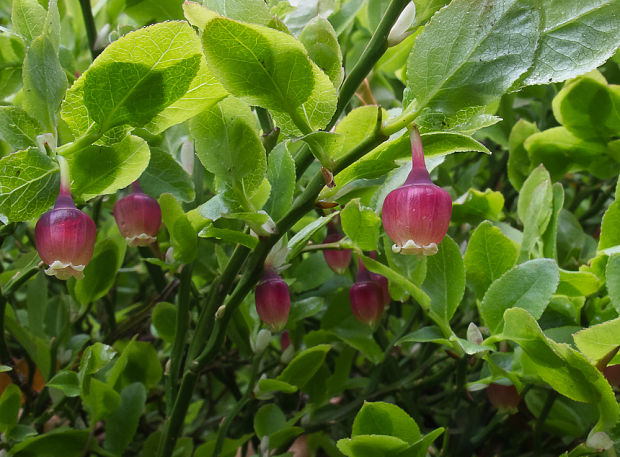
point(504, 398)
point(366, 297)
point(337, 259)
point(273, 300)
point(416, 216)
point(65, 236)
point(138, 217)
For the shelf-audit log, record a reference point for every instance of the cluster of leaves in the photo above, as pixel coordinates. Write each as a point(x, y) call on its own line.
point(156, 353)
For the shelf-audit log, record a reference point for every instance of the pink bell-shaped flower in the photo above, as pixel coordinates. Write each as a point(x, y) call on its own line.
point(504, 398)
point(65, 236)
point(367, 299)
point(416, 216)
point(273, 301)
point(337, 259)
point(138, 217)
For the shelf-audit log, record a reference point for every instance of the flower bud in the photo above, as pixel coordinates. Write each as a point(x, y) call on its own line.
point(367, 299)
point(504, 398)
point(416, 216)
point(285, 340)
point(381, 281)
point(273, 301)
point(337, 259)
point(138, 217)
point(65, 236)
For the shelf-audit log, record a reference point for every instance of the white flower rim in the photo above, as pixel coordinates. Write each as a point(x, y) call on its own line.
point(140, 240)
point(412, 248)
point(65, 270)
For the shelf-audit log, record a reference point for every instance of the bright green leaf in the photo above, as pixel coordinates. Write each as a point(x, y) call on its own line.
point(184, 238)
point(577, 283)
point(380, 418)
point(17, 128)
point(613, 280)
point(361, 225)
point(599, 340)
point(281, 176)
point(321, 42)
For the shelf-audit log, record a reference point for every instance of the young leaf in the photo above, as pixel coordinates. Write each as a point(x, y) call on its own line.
point(528, 286)
point(100, 273)
point(382, 418)
point(254, 11)
point(98, 170)
point(281, 176)
point(121, 424)
point(489, 255)
point(550, 236)
point(28, 18)
point(361, 225)
point(599, 340)
point(28, 184)
point(534, 208)
point(321, 42)
point(470, 53)
point(519, 165)
point(577, 36)
point(228, 145)
point(17, 128)
point(445, 279)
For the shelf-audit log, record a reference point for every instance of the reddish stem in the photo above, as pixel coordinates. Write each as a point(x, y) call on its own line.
point(419, 173)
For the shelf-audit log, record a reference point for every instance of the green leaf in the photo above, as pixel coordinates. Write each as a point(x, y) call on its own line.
point(99, 399)
point(183, 237)
point(118, 93)
point(45, 82)
point(268, 419)
point(61, 442)
point(475, 205)
point(380, 418)
point(95, 357)
point(12, 51)
point(164, 318)
point(470, 53)
point(563, 368)
point(411, 267)
point(528, 286)
point(99, 170)
point(230, 236)
point(142, 366)
point(299, 370)
point(121, 424)
point(371, 446)
point(37, 304)
point(165, 174)
point(281, 176)
point(325, 146)
point(228, 145)
point(28, 18)
point(100, 273)
point(613, 280)
point(28, 184)
point(254, 11)
point(588, 108)
point(534, 208)
point(282, 77)
point(361, 225)
point(550, 235)
point(610, 235)
point(560, 151)
point(67, 382)
point(166, 49)
point(489, 255)
point(300, 239)
point(578, 283)
point(445, 279)
point(10, 404)
point(148, 11)
point(519, 165)
point(577, 36)
point(599, 340)
point(271, 385)
point(321, 42)
point(17, 128)
point(430, 334)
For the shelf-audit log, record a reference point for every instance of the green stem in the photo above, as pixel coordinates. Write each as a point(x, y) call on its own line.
point(5, 355)
point(375, 48)
point(254, 268)
point(264, 119)
point(176, 355)
point(247, 396)
point(401, 122)
point(154, 271)
point(80, 143)
point(91, 28)
point(324, 246)
point(544, 413)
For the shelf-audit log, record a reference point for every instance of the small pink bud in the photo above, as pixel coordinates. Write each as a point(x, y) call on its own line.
point(138, 217)
point(337, 259)
point(381, 280)
point(65, 236)
point(504, 398)
point(416, 216)
point(273, 301)
point(367, 299)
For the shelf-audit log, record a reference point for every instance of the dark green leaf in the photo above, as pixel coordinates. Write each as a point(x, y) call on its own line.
point(165, 174)
point(122, 423)
point(304, 365)
point(10, 403)
point(379, 418)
